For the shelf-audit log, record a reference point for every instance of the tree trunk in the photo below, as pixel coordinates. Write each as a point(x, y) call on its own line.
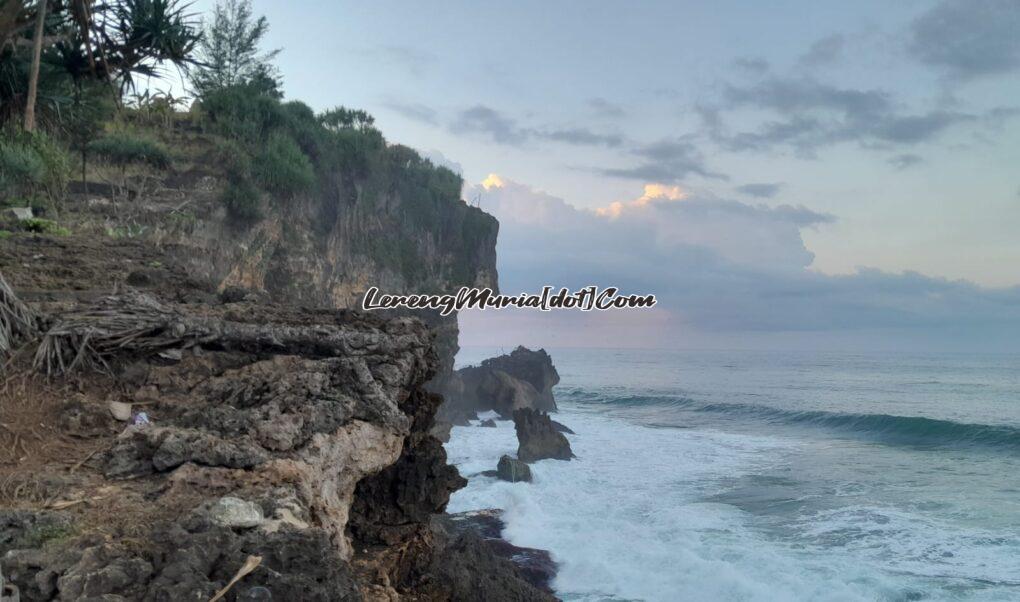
point(33, 75)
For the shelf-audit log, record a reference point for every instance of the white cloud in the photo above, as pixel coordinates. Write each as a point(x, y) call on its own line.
point(720, 266)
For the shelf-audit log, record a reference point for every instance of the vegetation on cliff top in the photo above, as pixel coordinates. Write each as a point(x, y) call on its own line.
point(93, 122)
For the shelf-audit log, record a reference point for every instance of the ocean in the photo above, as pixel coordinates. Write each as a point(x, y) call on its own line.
point(768, 476)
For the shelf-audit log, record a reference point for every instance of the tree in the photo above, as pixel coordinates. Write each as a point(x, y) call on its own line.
point(33, 74)
point(111, 41)
point(229, 55)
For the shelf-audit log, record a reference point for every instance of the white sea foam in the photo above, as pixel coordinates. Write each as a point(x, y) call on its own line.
point(624, 520)
point(726, 506)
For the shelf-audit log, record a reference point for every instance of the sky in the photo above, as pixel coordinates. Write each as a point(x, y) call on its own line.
point(814, 174)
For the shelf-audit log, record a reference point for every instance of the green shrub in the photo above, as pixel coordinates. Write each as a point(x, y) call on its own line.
point(242, 112)
point(233, 158)
point(242, 200)
point(32, 164)
point(44, 226)
point(124, 148)
point(282, 168)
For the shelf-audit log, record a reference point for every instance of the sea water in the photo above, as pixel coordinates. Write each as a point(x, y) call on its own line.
point(769, 476)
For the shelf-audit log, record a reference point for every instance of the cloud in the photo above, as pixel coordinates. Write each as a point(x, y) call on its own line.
point(719, 265)
point(809, 114)
point(481, 119)
point(581, 136)
point(762, 190)
point(825, 51)
point(440, 160)
point(604, 108)
point(752, 65)
point(503, 129)
point(414, 111)
point(968, 38)
point(905, 160)
point(669, 161)
point(413, 60)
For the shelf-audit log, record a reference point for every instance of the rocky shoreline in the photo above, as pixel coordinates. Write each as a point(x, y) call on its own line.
point(193, 426)
point(292, 443)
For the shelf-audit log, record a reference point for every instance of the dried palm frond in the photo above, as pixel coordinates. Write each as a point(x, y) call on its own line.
point(18, 323)
point(134, 323)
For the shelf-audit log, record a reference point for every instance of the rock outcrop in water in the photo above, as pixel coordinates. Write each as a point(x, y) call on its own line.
point(521, 379)
point(513, 470)
point(537, 438)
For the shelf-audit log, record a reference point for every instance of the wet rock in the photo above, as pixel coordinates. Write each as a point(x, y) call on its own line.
point(537, 438)
point(390, 505)
point(474, 538)
point(488, 423)
point(559, 426)
point(235, 513)
point(513, 470)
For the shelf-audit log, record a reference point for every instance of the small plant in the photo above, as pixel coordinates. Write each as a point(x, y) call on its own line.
point(282, 168)
point(33, 165)
point(132, 158)
point(44, 226)
point(242, 200)
point(123, 149)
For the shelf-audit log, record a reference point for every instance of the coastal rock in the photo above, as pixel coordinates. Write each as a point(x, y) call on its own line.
point(533, 367)
point(488, 423)
point(479, 533)
point(522, 379)
point(559, 426)
point(538, 439)
point(513, 470)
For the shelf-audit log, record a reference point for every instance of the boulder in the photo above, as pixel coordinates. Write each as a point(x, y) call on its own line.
point(488, 423)
point(513, 470)
point(537, 438)
point(235, 513)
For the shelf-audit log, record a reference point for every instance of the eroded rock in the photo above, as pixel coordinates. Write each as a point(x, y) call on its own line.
point(513, 470)
point(538, 439)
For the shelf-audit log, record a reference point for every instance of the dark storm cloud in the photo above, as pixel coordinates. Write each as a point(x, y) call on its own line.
point(761, 190)
point(968, 38)
point(665, 161)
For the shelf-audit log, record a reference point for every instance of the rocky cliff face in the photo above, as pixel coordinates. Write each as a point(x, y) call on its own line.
point(294, 439)
point(326, 248)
